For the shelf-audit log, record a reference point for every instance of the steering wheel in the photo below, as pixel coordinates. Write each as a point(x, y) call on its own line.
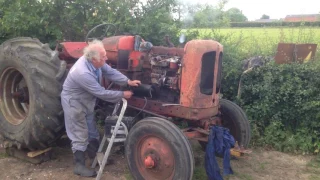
point(108, 25)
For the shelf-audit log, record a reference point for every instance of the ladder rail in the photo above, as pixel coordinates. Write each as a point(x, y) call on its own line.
point(95, 161)
point(106, 155)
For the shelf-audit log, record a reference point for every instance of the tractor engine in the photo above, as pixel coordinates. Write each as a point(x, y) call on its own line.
point(165, 71)
point(162, 78)
point(158, 68)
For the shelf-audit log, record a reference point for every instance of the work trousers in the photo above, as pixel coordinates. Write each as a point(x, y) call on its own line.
point(80, 125)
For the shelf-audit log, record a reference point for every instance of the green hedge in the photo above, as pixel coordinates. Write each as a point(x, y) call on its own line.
point(282, 101)
point(274, 24)
point(283, 105)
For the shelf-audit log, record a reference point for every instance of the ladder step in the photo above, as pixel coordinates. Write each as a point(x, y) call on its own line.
point(118, 139)
point(102, 158)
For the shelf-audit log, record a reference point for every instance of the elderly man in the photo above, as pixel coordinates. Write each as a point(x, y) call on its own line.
point(78, 98)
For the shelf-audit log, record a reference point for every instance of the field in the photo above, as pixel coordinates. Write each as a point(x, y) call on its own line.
point(259, 41)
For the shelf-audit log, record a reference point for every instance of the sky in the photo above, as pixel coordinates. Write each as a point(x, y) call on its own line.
point(276, 9)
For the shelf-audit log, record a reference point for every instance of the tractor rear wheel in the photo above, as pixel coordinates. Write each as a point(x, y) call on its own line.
point(30, 78)
point(235, 119)
point(157, 149)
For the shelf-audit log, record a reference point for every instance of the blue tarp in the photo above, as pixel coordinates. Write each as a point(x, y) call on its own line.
point(220, 141)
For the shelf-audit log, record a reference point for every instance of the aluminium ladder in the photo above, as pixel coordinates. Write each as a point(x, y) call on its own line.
point(102, 158)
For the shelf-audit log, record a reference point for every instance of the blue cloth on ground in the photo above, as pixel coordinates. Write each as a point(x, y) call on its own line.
point(220, 141)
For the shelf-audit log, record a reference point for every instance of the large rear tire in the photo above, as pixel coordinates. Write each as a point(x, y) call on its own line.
point(157, 149)
point(31, 77)
point(235, 119)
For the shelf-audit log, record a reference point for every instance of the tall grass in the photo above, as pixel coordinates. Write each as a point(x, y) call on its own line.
point(259, 41)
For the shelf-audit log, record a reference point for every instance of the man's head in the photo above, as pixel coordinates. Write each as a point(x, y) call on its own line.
point(95, 53)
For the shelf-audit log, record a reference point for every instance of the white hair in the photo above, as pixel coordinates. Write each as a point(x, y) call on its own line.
point(91, 51)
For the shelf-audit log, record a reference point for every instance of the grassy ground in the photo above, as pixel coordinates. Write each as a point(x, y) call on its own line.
point(264, 165)
point(261, 41)
point(260, 165)
point(295, 35)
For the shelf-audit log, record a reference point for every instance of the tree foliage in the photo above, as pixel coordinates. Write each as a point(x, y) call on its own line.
point(264, 16)
point(283, 103)
point(51, 20)
point(236, 15)
point(208, 16)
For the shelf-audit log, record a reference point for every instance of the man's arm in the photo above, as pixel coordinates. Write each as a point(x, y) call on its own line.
point(114, 75)
point(91, 85)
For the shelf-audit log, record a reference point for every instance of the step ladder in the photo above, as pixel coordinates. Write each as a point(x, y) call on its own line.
point(101, 157)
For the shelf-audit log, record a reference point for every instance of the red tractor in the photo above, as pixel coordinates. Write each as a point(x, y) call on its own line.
point(180, 88)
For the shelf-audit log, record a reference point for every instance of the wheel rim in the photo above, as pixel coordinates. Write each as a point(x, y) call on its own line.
point(154, 158)
point(14, 97)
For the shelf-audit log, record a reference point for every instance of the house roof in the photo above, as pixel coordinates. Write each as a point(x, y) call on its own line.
point(302, 15)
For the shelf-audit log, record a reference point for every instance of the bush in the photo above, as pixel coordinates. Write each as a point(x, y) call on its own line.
point(283, 103)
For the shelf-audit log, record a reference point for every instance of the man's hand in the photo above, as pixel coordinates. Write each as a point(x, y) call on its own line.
point(134, 83)
point(127, 94)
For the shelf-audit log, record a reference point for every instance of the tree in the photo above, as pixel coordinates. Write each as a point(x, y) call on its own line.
point(20, 18)
point(264, 16)
point(154, 20)
point(51, 20)
point(206, 16)
point(236, 15)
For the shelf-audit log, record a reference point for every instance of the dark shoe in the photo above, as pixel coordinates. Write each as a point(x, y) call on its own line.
point(80, 168)
point(92, 148)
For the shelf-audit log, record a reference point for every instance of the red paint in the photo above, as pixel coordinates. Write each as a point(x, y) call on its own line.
point(126, 43)
point(154, 158)
point(190, 95)
point(302, 17)
point(149, 162)
point(161, 108)
point(72, 50)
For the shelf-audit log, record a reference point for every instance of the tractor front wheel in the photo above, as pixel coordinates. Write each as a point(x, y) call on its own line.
point(157, 149)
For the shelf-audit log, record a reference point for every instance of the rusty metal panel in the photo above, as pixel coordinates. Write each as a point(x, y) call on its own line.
point(167, 51)
point(305, 52)
point(118, 49)
point(111, 43)
point(190, 95)
point(111, 47)
point(135, 61)
point(290, 52)
point(174, 110)
point(284, 53)
point(72, 49)
point(126, 43)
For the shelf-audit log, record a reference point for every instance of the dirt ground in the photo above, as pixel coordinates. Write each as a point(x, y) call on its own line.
point(260, 164)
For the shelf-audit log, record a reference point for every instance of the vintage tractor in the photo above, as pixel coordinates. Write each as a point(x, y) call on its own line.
point(180, 88)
